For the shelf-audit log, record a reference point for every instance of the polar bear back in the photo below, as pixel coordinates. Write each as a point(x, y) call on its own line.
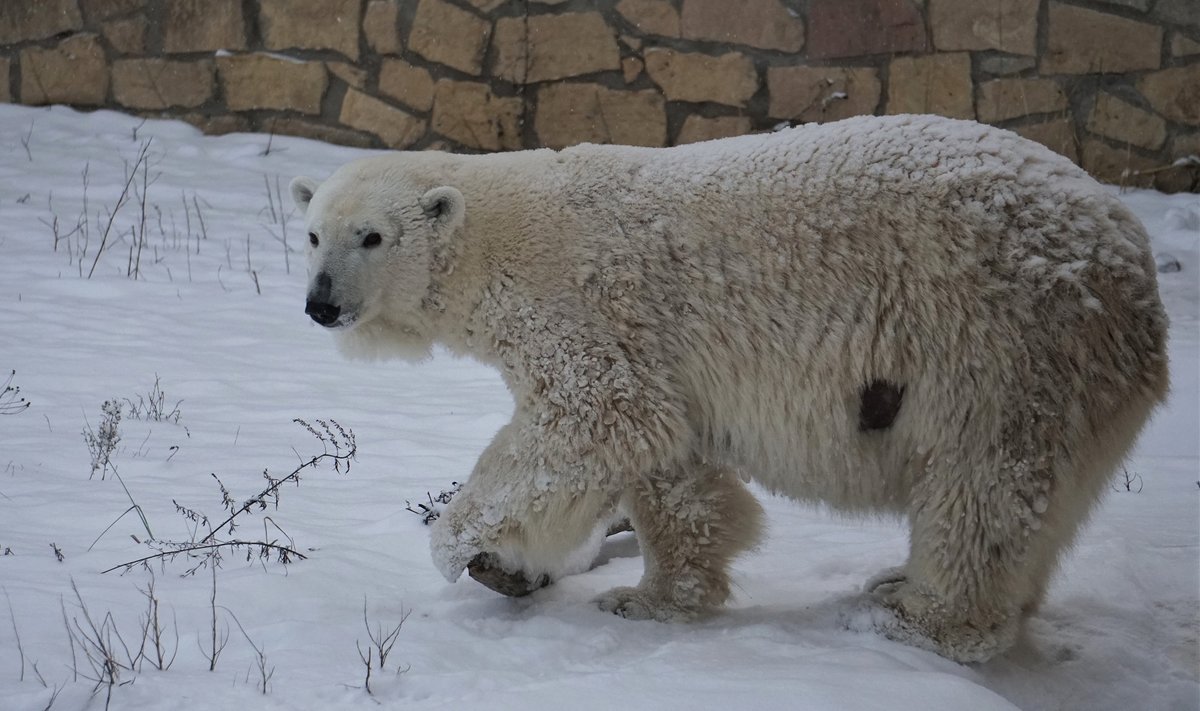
point(776, 276)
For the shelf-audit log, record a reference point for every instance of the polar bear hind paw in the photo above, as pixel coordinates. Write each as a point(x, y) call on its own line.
point(898, 610)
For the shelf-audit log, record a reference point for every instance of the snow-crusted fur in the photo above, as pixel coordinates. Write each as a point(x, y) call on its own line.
point(671, 319)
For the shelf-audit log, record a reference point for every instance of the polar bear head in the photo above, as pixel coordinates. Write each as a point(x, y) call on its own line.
point(374, 232)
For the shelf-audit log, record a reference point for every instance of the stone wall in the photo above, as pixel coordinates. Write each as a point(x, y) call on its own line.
point(1114, 84)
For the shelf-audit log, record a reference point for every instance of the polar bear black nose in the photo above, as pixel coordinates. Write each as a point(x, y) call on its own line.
point(323, 313)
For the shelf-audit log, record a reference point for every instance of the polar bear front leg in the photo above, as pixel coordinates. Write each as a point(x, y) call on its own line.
point(522, 512)
point(691, 522)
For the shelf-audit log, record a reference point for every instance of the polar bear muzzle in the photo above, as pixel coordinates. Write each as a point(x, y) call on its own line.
point(317, 306)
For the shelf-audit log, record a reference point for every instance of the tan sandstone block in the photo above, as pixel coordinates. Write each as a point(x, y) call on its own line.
point(1003, 99)
point(127, 36)
point(854, 28)
point(469, 113)
point(568, 114)
point(1082, 41)
point(932, 84)
point(263, 81)
point(410, 85)
point(353, 76)
point(396, 128)
point(765, 24)
point(1006, 25)
point(289, 126)
point(690, 76)
point(1179, 12)
point(631, 69)
point(1058, 136)
point(217, 125)
point(449, 35)
point(822, 93)
point(99, 10)
point(162, 83)
point(1125, 122)
point(651, 17)
point(698, 128)
point(25, 20)
point(5, 85)
point(380, 26)
point(1119, 166)
point(72, 72)
point(556, 47)
point(311, 24)
point(1174, 93)
point(202, 26)
point(1182, 46)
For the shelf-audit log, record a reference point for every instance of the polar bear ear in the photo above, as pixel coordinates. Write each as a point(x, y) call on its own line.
point(445, 205)
point(302, 191)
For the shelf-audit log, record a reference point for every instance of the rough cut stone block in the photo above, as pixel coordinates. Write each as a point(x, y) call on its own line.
point(698, 128)
point(99, 10)
point(1007, 25)
point(1002, 99)
point(468, 112)
point(690, 76)
point(1006, 65)
point(411, 86)
point(1082, 41)
point(311, 24)
point(765, 24)
point(557, 46)
point(932, 84)
point(396, 128)
point(1058, 136)
point(5, 86)
point(288, 126)
point(380, 28)
point(449, 35)
point(126, 36)
point(822, 93)
point(349, 73)
point(24, 20)
point(1125, 122)
point(262, 81)
point(1119, 166)
point(1184, 46)
point(161, 83)
point(1174, 93)
point(1179, 12)
point(853, 28)
point(217, 125)
point(568, 114)
point(631, 68)
point(651, 17)
point(73, 72)
point(202, 26)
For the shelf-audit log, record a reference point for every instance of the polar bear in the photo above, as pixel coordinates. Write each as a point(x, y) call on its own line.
point(907, 314)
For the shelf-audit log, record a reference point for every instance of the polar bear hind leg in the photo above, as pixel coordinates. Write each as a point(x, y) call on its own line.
point(691, 522)
point(981, 557)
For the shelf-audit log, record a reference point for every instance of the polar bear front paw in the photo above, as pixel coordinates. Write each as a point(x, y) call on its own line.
point(640, 604)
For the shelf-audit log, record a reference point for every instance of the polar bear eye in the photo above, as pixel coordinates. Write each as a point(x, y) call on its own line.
point(312, 239)
point(372, 240)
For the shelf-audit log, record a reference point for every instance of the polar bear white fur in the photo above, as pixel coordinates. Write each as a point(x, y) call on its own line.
point(906, 314)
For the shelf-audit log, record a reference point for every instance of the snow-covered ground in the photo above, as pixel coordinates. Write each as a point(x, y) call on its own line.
point(217, 317)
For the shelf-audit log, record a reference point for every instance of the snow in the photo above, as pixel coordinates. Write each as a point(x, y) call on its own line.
point(1119, 629)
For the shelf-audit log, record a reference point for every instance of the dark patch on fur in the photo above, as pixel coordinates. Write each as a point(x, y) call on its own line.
point(879, 403)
